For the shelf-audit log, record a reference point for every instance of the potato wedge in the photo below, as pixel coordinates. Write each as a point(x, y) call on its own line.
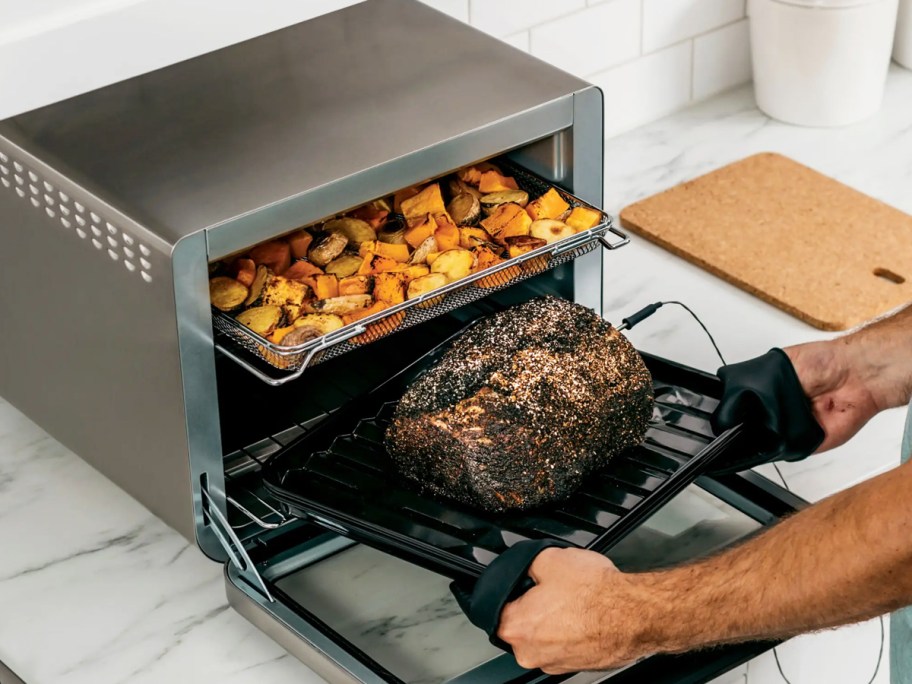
point(344, 265)
point(262, 276)
point(493, 200)
point(325, 323)
point(455, 264)
point(355, 230)
point(343, 304)
point(263, 320)
point(425, 284)
point(550, 230)
point(227, 294)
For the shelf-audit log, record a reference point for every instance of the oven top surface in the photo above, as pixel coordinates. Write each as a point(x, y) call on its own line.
point(204, 141)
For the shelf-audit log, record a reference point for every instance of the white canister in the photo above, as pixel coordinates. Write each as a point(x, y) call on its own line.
point(821, 62)
point(902, 49)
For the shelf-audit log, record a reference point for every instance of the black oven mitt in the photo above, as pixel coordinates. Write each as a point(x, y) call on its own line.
point(765, 395)
point(504, 580)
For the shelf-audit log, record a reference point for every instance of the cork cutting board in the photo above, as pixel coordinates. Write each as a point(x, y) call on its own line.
point(797, 239)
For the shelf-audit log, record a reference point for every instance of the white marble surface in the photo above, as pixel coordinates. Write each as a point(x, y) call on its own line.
point(93, 589)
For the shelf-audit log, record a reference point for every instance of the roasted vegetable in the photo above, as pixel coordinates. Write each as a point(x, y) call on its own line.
point(345, 265)
point(299, 243)
point(416, 271)
point(493, 200)
point(472, 237)
point(550, 230)
point(458, 187)
point(447, 234)
point(392, 234)
point(244, 271)
point(507, 220)
point(381, 328)
point(373, 213)
point(262, 320)
point(549, 206)
point(465, 209)
point(323, 322)
point(428, 201)
point(398, 253)
point(419, 256)
point(259, 282)
point(390, 288)
point(356, 284)
point(302, 268)
point(300, 335)
point(425, 284)
point(420, 230)
point(401, 196)
point(227, 294)
point(455, 264)
point(374, 308)
point(494, 181)
point(327, 248)
point(472, 174)
point(583, 218)
point(374, 263)
point(326, 286)
point(485, 258)
point(285, 293)
point(523, 244)
point(279, 334)
point(343, 305)
point(275, 255)
point(356, 230)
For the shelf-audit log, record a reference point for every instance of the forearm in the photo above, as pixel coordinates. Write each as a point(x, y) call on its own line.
point(845, 559)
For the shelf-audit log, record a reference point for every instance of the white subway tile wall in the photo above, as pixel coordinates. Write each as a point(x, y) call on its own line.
point(652, 57)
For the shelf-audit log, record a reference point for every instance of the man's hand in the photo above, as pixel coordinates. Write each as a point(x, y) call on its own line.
point(841, 400)
point(563, 624)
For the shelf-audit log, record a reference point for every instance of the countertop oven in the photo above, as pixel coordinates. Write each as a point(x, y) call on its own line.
point(114, 203)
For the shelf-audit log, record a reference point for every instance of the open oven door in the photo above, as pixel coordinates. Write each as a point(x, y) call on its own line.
point(357, 614)
point(351, 572)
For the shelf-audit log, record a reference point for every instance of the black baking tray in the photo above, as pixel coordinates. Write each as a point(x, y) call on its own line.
point(340, 476)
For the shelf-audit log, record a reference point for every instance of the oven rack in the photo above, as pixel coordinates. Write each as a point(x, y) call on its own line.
point(339, 476)
point(276, 365)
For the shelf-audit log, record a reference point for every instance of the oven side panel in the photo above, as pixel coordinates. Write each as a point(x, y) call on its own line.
point(88, 333)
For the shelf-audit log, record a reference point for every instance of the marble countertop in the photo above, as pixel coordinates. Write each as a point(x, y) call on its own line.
point(94, 589)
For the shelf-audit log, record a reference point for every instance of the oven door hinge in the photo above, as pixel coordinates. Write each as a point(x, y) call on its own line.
point(232, 545)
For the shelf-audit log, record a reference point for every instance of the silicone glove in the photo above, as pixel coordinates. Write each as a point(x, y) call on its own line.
point(765, 395)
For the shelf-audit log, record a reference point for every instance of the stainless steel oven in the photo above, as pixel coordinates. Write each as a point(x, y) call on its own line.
point(114, 203)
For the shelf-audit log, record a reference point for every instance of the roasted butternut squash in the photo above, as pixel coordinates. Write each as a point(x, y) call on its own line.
point(549, 206)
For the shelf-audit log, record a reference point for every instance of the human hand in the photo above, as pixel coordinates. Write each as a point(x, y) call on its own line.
point(563, 623)
point(842, 398)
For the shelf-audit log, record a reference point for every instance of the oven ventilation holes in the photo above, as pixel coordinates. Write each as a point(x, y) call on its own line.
point(103, 235)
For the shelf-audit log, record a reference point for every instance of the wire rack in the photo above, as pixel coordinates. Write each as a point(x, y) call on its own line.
point(250, 350)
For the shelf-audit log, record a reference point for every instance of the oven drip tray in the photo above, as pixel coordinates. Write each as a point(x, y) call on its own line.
point(340, 476)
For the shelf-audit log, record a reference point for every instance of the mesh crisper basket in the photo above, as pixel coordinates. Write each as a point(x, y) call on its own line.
point(427, 306)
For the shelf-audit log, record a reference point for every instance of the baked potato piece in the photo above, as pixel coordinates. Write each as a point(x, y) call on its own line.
point(491, 201)
point(425, 284)
point(323, 322)
point(260, 279)
point(355, 230)
point(455, 264)
point(343, 304)
point(263, 320)
point(458, 187)
point(327, 248)
point(550, 230)
point(465, 209)
point(227, 294)
point(345, 265)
